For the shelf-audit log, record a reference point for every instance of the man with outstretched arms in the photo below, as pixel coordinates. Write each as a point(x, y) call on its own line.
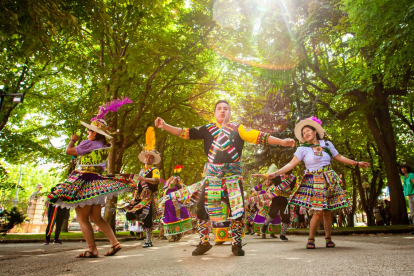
point(222, 186)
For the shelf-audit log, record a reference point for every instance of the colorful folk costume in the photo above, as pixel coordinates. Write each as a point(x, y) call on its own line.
point(86, 186)
point(275, 202)
point(143, 207)
point(320, 189)
point(175, 216)
point(222, 187)
point(262, 218)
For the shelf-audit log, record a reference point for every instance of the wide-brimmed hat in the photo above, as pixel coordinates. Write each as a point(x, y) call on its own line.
point(99, 126)
point(156, 154)
point(311, 121)
point(150, 147)
point(98, 123)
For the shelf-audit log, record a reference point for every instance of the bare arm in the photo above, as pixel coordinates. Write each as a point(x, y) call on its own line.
point(282, 142)
point(171, 129)
point(288, 167)
point(70, 149)
point(348, 161)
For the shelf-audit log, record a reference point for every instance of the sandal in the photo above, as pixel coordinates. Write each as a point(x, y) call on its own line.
point(88, 254)
point(310, 244)
point(114, 249)
point(329, 243)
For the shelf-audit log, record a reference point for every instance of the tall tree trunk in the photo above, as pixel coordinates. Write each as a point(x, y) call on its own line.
point(379, 122)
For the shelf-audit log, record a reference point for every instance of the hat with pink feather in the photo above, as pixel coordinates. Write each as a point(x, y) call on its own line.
point(311, 121)
point(98, 124)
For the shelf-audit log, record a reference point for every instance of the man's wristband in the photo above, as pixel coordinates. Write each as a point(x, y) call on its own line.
point(275, 174)
point(73, 140)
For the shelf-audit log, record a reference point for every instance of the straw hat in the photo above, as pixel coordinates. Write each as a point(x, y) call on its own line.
point(311, 121)
point(99, 126)
point(150, 147)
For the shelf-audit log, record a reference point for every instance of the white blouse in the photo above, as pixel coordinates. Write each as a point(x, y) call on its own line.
point(312, 161)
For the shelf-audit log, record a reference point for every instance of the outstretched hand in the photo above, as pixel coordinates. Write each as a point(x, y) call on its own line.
point(159, 122)
point(363, 164)
point(288, 143)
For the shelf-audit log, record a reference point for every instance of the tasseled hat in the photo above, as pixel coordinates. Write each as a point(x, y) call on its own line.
point(98, 124)
point(150, 147)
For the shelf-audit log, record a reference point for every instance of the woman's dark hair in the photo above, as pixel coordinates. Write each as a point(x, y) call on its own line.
point(404, 165)
point(311, 127)
point(222, 101)
point(101, 138)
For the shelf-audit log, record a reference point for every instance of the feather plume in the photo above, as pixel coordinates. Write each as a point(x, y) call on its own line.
point(150, 139)
point(113, 106)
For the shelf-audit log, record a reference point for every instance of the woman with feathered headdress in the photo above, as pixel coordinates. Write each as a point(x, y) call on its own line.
point(85, 189)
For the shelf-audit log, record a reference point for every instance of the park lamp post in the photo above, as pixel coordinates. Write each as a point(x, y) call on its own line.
point(17, 97)
point(16, 196)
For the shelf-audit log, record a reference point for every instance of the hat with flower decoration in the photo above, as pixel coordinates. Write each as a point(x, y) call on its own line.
point(150, 147)
point(311, 121)
point(98, 124)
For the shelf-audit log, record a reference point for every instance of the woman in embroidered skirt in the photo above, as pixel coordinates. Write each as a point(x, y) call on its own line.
point(176, 218)
point(320, 190)
point(85, 189)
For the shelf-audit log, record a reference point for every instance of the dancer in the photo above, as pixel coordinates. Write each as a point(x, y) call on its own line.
point(55, 216)
point(278, 192)
point(85, 189)
point(143, 205)
point(175, 216)
point(223, 145)
point(320, 189)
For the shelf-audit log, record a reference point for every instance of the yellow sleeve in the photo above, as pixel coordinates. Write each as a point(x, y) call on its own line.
point(156, 174)
point(253, 136)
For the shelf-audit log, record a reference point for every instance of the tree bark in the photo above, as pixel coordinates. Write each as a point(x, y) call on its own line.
point(379, 122)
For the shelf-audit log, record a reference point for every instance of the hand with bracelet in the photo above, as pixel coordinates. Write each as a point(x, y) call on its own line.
point(360, 164)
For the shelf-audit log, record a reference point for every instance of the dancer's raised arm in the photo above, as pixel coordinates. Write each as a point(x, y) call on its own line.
point(160, 123)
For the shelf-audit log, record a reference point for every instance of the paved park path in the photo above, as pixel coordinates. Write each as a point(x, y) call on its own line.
point(354, 255)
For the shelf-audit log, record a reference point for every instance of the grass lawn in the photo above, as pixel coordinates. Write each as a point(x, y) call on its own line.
point(63, 235)
point(363, 228)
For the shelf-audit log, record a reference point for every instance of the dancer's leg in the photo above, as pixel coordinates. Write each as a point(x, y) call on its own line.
point(83, 214)
point(102, 224)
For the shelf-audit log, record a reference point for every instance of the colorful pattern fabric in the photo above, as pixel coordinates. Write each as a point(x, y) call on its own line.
point(224, 144)
point(320, 190)
point(85, 188)
point(177, 227)
point(317, 149)
point(284, 229)
point(236, 232)
point(185, 134)
point(271, 228)
point(95, 157)
point(175, 216)
point(148, 235)
point(222, 141)
point(204, 231)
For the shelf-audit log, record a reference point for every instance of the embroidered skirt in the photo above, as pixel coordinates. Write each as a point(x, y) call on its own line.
point(260, 218)
point(86, 188)
point(320, 190)
point(176, 219)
